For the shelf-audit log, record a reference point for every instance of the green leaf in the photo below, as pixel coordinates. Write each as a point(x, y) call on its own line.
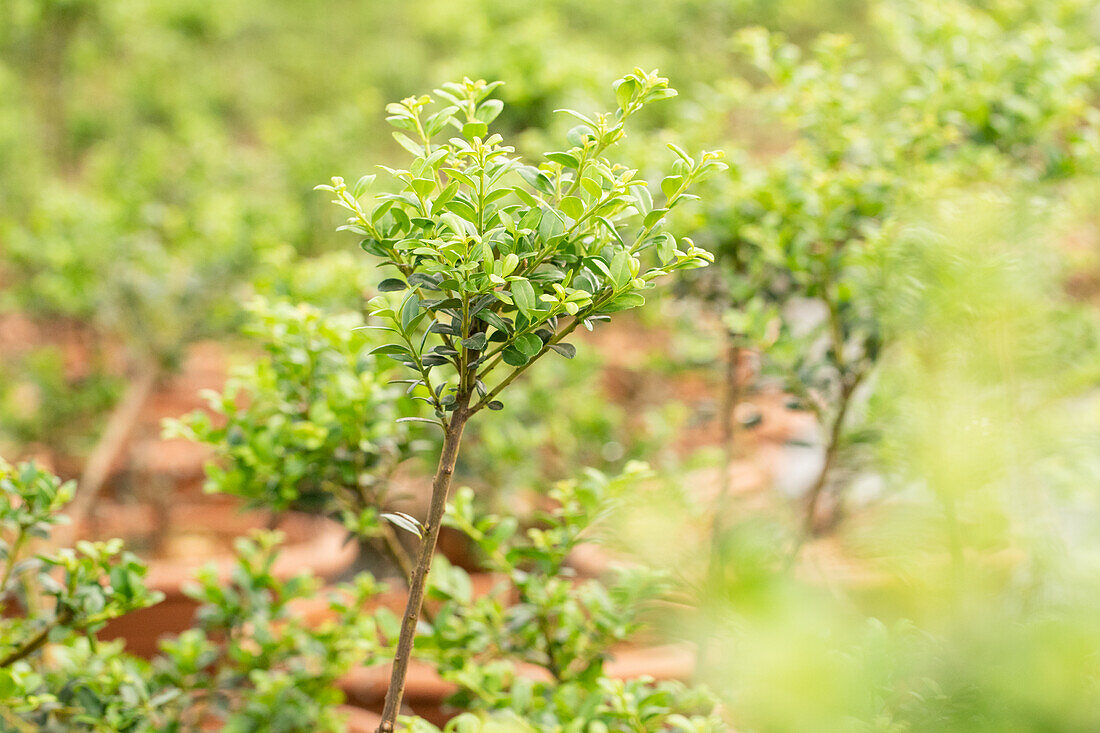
point(476, 342)
point(624, 302)
point(409, 311)
point(362, 185)
point(392, 284)
point(654, 216)
point(567, 160)
point(536, 179)
point(592, 187)
point(671, 185)
point(524, 296)
point(390, 349)
point(488, 110)
point(620, 268)
point(680, 152)
point(423, 186)
point(566, 350)
point(495, 405)
point(666, 248)
point(551, 225)
point(624, 91)
point(405, 522)
point(474, 129)
point(529, 344)
point(514, 357)
point(573, 207)
point(404, 141)
point(8, 685)
point(493, 320)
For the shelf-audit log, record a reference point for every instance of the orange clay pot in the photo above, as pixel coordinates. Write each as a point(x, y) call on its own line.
point(312, 543)
point(426, 692)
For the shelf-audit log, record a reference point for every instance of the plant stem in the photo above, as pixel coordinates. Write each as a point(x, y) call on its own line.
point(36, 642)
point(832, 447)
point(14, 549)
point(441, 485)
point(731, 397)
point(119, 427)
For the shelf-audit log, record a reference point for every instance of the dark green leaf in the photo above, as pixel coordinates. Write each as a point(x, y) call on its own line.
point(566, 350)
point(476, 342)
point(392, 284)
point(409, 311)
point(514, 357)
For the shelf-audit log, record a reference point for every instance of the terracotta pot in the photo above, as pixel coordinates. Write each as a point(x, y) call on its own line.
point(315, 610)
point(358, 720)
point(426, 692)
point(312, 543)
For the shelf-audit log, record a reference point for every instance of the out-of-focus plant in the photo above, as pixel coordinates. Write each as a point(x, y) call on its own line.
point(41, 403)
point(963, 599)
point(338, 281)
point(504, 260)
point(992, 85)
point(154, 264)
point(56, 598)
point(544, 618)
point(794, 236)
point(548, 430)
point(249, 664)
point(799, 236)
point(312, 426)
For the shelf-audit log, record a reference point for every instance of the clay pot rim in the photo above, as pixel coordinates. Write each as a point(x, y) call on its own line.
point(661, 662)
point(312, 542)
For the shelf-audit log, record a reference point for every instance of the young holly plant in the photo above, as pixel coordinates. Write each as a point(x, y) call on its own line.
point(500, 261)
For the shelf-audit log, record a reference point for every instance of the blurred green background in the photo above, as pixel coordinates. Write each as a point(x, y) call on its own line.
point(157, 165)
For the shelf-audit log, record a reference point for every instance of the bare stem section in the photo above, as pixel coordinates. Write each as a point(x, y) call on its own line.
point(441, 486)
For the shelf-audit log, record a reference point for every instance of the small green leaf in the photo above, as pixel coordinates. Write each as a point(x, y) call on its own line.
point(476, 342)
point(654, 216)
point(514, 357)
point(405, 522)
point(624, 302)
point(362, 185)
point(524, 295)
point(474, 129)
point(573, 207)
point(487, 111)
point(529, 344)
point(671, 185)
point(680, 152)
point(566, 350)
point(567, 160)
point(619, 268)
point(390, 349)
point(666, 248)
point(409, 311)
point(405, 142)
point(536, 179)
point(392, 284)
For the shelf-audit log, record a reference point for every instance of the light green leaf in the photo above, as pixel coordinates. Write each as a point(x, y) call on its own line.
point(524, 295)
